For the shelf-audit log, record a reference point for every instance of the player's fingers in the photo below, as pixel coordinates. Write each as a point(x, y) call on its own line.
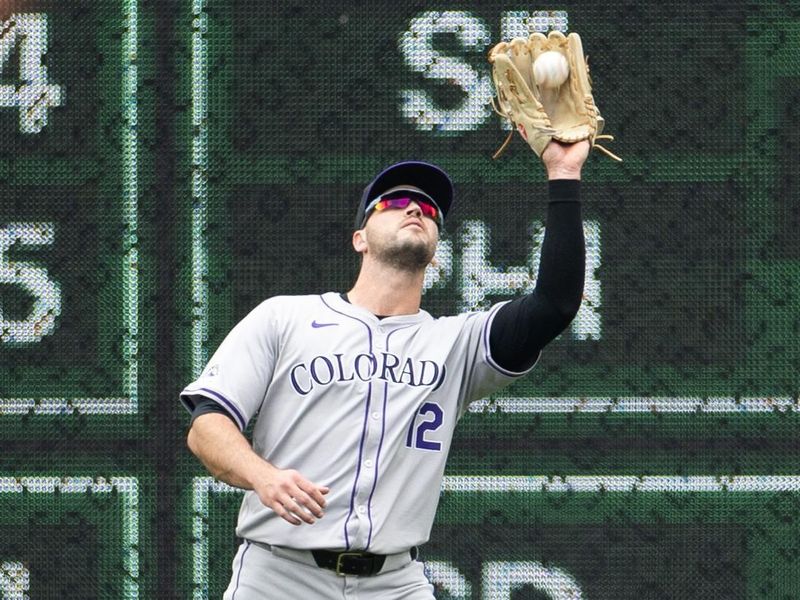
point(291, 505)
point(314, 491)
point(308, 502)
point(301, 512)
point(285, 514)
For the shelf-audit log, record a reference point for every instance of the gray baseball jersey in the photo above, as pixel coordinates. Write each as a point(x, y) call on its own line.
point(363, 405)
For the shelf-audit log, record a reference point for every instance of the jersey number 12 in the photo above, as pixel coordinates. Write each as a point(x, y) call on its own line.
point(417, 431)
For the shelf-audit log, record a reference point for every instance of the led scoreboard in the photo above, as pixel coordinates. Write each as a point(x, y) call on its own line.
point(76, 365)
point(166, 166)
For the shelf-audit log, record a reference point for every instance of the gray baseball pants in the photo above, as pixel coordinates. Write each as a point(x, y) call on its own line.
point(263, 574)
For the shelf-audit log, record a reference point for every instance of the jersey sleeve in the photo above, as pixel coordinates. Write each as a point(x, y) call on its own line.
point(481, 375)
point(239, 372)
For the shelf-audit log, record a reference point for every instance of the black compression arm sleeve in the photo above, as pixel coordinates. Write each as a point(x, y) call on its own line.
point(523, 327)
point(203, 405)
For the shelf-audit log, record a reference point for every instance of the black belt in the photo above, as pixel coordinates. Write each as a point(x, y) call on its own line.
point(352, 563)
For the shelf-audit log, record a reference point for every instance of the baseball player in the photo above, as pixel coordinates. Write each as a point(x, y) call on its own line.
point(356, 395)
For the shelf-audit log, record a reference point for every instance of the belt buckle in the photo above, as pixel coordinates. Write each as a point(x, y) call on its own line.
point(341, 556)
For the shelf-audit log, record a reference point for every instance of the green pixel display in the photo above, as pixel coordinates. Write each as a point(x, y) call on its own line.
point(164, 167)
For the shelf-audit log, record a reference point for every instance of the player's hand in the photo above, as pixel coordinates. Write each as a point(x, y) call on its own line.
point(564, 161)
point(293, 497)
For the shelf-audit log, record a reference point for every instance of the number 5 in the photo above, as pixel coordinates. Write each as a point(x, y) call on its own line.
point(418, 440)
point(33, 279)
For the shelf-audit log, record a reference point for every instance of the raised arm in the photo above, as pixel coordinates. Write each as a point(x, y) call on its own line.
point(524, 326)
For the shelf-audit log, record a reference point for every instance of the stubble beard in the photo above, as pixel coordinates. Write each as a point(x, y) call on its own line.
point(407, 255)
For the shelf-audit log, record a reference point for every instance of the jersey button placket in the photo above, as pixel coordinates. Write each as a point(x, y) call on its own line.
point(366, 479)
point(358, 522)
point(357, 525)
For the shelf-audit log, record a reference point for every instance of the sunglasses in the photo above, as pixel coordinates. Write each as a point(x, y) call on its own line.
point(401, 199)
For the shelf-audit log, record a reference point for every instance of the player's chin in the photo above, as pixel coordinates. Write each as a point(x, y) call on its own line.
point(411, 254)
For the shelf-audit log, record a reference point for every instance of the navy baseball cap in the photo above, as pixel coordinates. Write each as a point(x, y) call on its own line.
point(429, 178)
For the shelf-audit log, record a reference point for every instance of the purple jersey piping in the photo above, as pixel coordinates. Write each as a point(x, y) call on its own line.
point(230, 406)
point(358, 466)
point(377, 461)
point(487, 347)
point(364, 429)
point(241, 566)
point(380, 444)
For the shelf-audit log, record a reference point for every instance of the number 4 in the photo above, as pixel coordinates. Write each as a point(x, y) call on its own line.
point(35, 95)
point(418, 440)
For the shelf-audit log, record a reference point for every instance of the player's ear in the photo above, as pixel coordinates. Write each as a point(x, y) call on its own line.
point(360, 240)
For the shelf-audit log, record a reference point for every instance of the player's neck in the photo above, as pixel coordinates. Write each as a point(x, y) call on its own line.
point(387, 292)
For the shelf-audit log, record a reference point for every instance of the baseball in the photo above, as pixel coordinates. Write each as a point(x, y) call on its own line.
point(551, 69)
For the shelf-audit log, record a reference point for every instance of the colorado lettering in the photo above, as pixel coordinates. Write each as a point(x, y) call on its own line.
point(385, 366)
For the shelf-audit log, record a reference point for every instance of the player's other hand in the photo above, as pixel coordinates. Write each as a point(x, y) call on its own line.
point(564, 161)
point(293, 497)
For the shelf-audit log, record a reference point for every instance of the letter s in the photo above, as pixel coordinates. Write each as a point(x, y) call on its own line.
point(416, 45)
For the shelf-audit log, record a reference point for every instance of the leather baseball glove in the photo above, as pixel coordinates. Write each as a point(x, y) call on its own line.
point(539, 110)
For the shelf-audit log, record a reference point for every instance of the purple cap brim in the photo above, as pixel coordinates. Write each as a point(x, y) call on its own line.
point(429, 178)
